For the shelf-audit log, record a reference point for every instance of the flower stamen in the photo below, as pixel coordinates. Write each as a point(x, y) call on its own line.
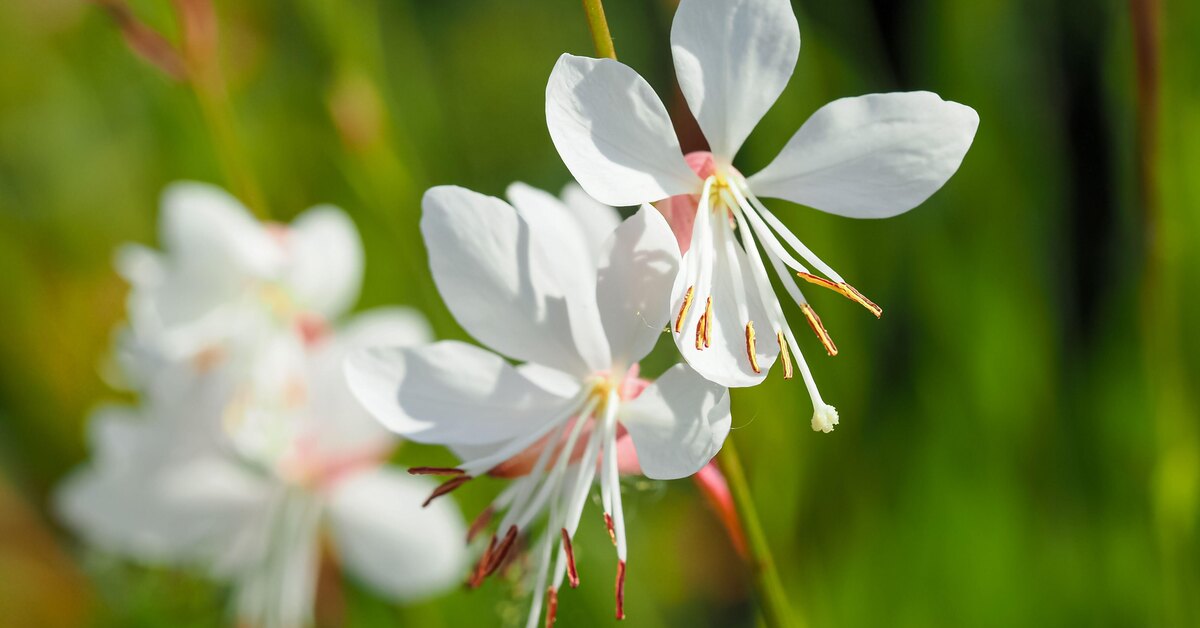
point(446, 487)
point(818, 328)
point(683, 309)
point(608, 523)
point(620, 594)
point(551, 606)
point(435, 471)
point(844, 289)
point(708, 322)
point(751, 349)
point(785, 354)
point(572, 572)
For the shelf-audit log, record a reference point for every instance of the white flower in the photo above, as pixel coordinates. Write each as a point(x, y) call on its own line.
point(226, 281)
point(872, 156)
point(169, 483)
point(526, 283)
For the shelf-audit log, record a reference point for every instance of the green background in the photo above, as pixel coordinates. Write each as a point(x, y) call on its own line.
point(1019, 441)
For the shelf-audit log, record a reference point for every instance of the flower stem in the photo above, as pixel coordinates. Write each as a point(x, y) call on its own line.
point(199, 42)
point(598, 24)
point(767, 586)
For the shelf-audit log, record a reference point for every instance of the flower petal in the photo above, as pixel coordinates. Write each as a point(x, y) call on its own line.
point(597, 220)
point(872, 156)
point(733, 58)
point(637, 270)
point(384, 536)
point(500, 278)
point(203, 226)
point(613, 133)
point(449, 393)
point(326, 267)
point(677, 424)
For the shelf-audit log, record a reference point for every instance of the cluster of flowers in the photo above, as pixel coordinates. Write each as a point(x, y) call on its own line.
point(231, 341)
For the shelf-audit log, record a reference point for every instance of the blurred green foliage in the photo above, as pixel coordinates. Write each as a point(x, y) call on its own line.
point(1019, 441)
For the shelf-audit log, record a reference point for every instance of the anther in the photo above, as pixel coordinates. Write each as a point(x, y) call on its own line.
point(818, 328)
point(435, 471)
point(785, 354)
point(621, 590)
point(551, 606)
point(480, 523)
point(446, 487)
point(845, 290)
point(608, 523)
point(497, 557)
point(751, 349)
point(480, 570)
point(683, 309)
point(708, 322)
point(700, 334)
point(572, 573)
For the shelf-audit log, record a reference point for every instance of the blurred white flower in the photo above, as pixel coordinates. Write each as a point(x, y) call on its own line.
point(173, 482)
point(540, 287)
point(225, 281)
point(249, 450)
point(872, 156)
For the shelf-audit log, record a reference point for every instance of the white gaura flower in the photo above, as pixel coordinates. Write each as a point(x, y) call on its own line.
point(300, 468)
point(525, 282)
point(225, 281)
point(871, 156)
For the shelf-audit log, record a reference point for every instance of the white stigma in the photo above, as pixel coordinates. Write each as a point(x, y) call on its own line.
point(824, 418)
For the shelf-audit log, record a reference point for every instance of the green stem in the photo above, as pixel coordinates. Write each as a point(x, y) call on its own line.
point(201, 56)
point(598, 24)
point(767, 586)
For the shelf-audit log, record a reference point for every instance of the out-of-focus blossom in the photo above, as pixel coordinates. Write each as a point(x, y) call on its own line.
point(248, 465)
point(579, 312)
point(872, 156)
point(225, 282)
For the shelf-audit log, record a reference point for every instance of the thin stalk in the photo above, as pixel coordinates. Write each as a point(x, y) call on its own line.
point(201, 57)
point(598, 24)
point(768, 588)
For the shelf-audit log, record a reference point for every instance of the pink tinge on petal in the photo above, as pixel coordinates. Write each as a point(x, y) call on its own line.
point(712, 484)
point(312, 328)
point(306, 464)
point(632, 385)
point(680, 210)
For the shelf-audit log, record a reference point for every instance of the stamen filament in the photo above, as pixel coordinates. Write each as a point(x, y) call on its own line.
point(818, 328)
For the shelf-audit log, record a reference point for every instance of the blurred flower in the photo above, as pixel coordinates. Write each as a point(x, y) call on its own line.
point(245, 462)
point(227, 282)
point(872, 156)
point(579, 310)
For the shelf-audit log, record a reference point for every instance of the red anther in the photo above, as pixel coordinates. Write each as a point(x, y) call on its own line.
point(551, 606)
point(480, 523)
point(572, 573)
point(480, 571)
point(621, 590)
point(501, 552)
point(608, 523)
point(435, 471)
point(446, 487)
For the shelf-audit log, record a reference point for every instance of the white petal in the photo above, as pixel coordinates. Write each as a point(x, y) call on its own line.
point(386, 327)
point(596, 219)
point(733, 58)
point(499, 278)
point(613, 133)
point(202, 225)
point(725, 360)
point(637, 270)
point(326, 257)
point(449, 392)
point(556, 232)
point(182, 513)
point(553, 381)
point(872, 156)
point(384, 537)
point(677, 424)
